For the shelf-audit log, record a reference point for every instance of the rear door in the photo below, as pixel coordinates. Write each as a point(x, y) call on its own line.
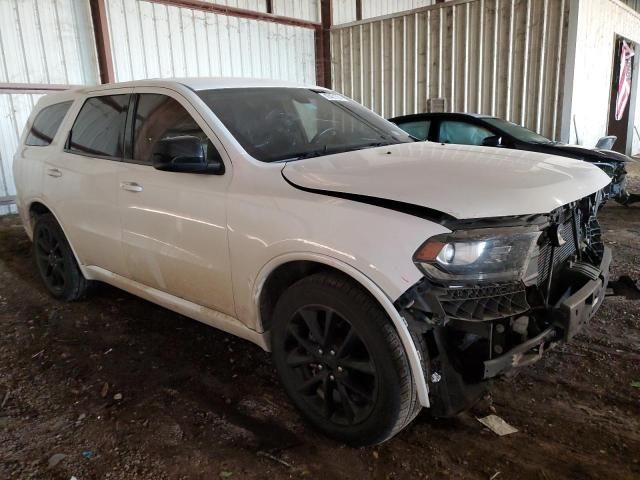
point(174, 224)
point(41, 142)
point(82, 182)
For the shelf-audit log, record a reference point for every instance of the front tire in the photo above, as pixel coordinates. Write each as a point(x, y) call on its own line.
point(341, 360)
point(55, 260)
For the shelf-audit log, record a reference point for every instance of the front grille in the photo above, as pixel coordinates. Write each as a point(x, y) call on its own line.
point(561, 253)
point(486, 302)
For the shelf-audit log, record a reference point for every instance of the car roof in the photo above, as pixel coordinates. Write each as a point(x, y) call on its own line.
point(201, 83)
point(196, 84)
point(417, 116)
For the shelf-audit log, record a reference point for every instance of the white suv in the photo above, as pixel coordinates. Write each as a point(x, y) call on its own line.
point(384, 274)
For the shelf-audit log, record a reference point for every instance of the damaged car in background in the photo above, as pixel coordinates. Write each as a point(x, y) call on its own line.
point(485, 130)
point(384, 274)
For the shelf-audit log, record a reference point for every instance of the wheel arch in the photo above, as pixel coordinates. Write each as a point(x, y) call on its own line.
point(285, 270)
point(37, 208)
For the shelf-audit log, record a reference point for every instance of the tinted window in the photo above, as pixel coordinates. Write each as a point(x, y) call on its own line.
point(516, 131)
point(99, 127)
point(275, 124)
point(462, 133)
point(46, 124)
point(160, 117)
point(417, 128)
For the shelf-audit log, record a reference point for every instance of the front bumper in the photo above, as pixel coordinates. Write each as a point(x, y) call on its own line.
point(567, 319)
point(475, 334)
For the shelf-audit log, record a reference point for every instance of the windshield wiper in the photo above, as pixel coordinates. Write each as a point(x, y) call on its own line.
point(377, 144)
point(326, 151)
point(303, 155)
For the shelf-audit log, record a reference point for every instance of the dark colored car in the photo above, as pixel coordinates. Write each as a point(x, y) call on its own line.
point(474, 129)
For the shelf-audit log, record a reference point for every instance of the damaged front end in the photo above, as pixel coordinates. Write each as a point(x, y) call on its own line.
point(617, 189)
point(497, 293)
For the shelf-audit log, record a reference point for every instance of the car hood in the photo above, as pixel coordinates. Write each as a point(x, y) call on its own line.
point(461, 181)
point(592, 154)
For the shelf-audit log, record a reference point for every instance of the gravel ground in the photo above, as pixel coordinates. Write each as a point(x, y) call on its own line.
point(117, 388)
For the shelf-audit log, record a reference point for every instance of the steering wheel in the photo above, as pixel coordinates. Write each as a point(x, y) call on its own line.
point(323, 133)
point(281, 125)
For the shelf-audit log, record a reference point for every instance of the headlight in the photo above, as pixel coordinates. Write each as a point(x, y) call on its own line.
point(483, 254)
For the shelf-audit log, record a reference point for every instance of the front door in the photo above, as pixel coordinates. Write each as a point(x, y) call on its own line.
point(174, 225)
point(621, 87)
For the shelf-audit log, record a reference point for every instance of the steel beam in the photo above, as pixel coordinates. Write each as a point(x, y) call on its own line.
point(238, 12)
point(33, 87)
point(323, 44)
point(103, 43)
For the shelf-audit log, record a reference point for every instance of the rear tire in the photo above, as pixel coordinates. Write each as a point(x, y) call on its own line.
point(341, 360)
point(55, 260)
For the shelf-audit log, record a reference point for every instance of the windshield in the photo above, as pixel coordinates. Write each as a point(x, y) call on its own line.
point(274, 124)
point(516, 131)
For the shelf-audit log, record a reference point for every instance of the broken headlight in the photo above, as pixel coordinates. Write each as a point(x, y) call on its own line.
point(494, 254)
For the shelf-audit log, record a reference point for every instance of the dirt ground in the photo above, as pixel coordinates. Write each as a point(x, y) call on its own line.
point(125, 389)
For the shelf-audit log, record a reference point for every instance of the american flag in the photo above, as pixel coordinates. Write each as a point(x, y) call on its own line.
point(624, 81)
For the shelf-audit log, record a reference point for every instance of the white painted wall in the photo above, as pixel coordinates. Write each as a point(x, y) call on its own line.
point(599, 21)
point(150, 40)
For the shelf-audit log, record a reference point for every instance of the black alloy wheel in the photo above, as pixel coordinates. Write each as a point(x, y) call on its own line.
point(55, 260)
point(330, 365)
point(50, 259)
point(341, 360)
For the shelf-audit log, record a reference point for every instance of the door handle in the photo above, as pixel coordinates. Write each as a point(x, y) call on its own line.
point(54, 172)
point(131, 186)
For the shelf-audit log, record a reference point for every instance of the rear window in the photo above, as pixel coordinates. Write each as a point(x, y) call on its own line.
point(99, 128)
point(46, 124)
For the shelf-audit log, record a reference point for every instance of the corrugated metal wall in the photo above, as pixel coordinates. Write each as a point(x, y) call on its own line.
point(498, 57)
point(635, 4)
point(376, 8)
point(151, 40)
point(14, 112)
point(46, 41)
point(344, 11)
point(41, 41)
point(256, 5)
point(303, 9)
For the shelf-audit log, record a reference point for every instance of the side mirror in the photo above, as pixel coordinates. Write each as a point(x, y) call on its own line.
point(493, 141)
point(186, 154)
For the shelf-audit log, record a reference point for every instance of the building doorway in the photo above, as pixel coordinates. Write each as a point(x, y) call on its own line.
point(622, 84)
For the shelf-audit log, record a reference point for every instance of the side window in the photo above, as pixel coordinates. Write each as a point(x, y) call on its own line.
point(160, 117)
point(99, 127)
point(462, 133)
point(418, 128)
point(46, 124)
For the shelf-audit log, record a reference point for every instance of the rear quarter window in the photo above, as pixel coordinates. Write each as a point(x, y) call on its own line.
point(46, 124)
point(98, 130)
